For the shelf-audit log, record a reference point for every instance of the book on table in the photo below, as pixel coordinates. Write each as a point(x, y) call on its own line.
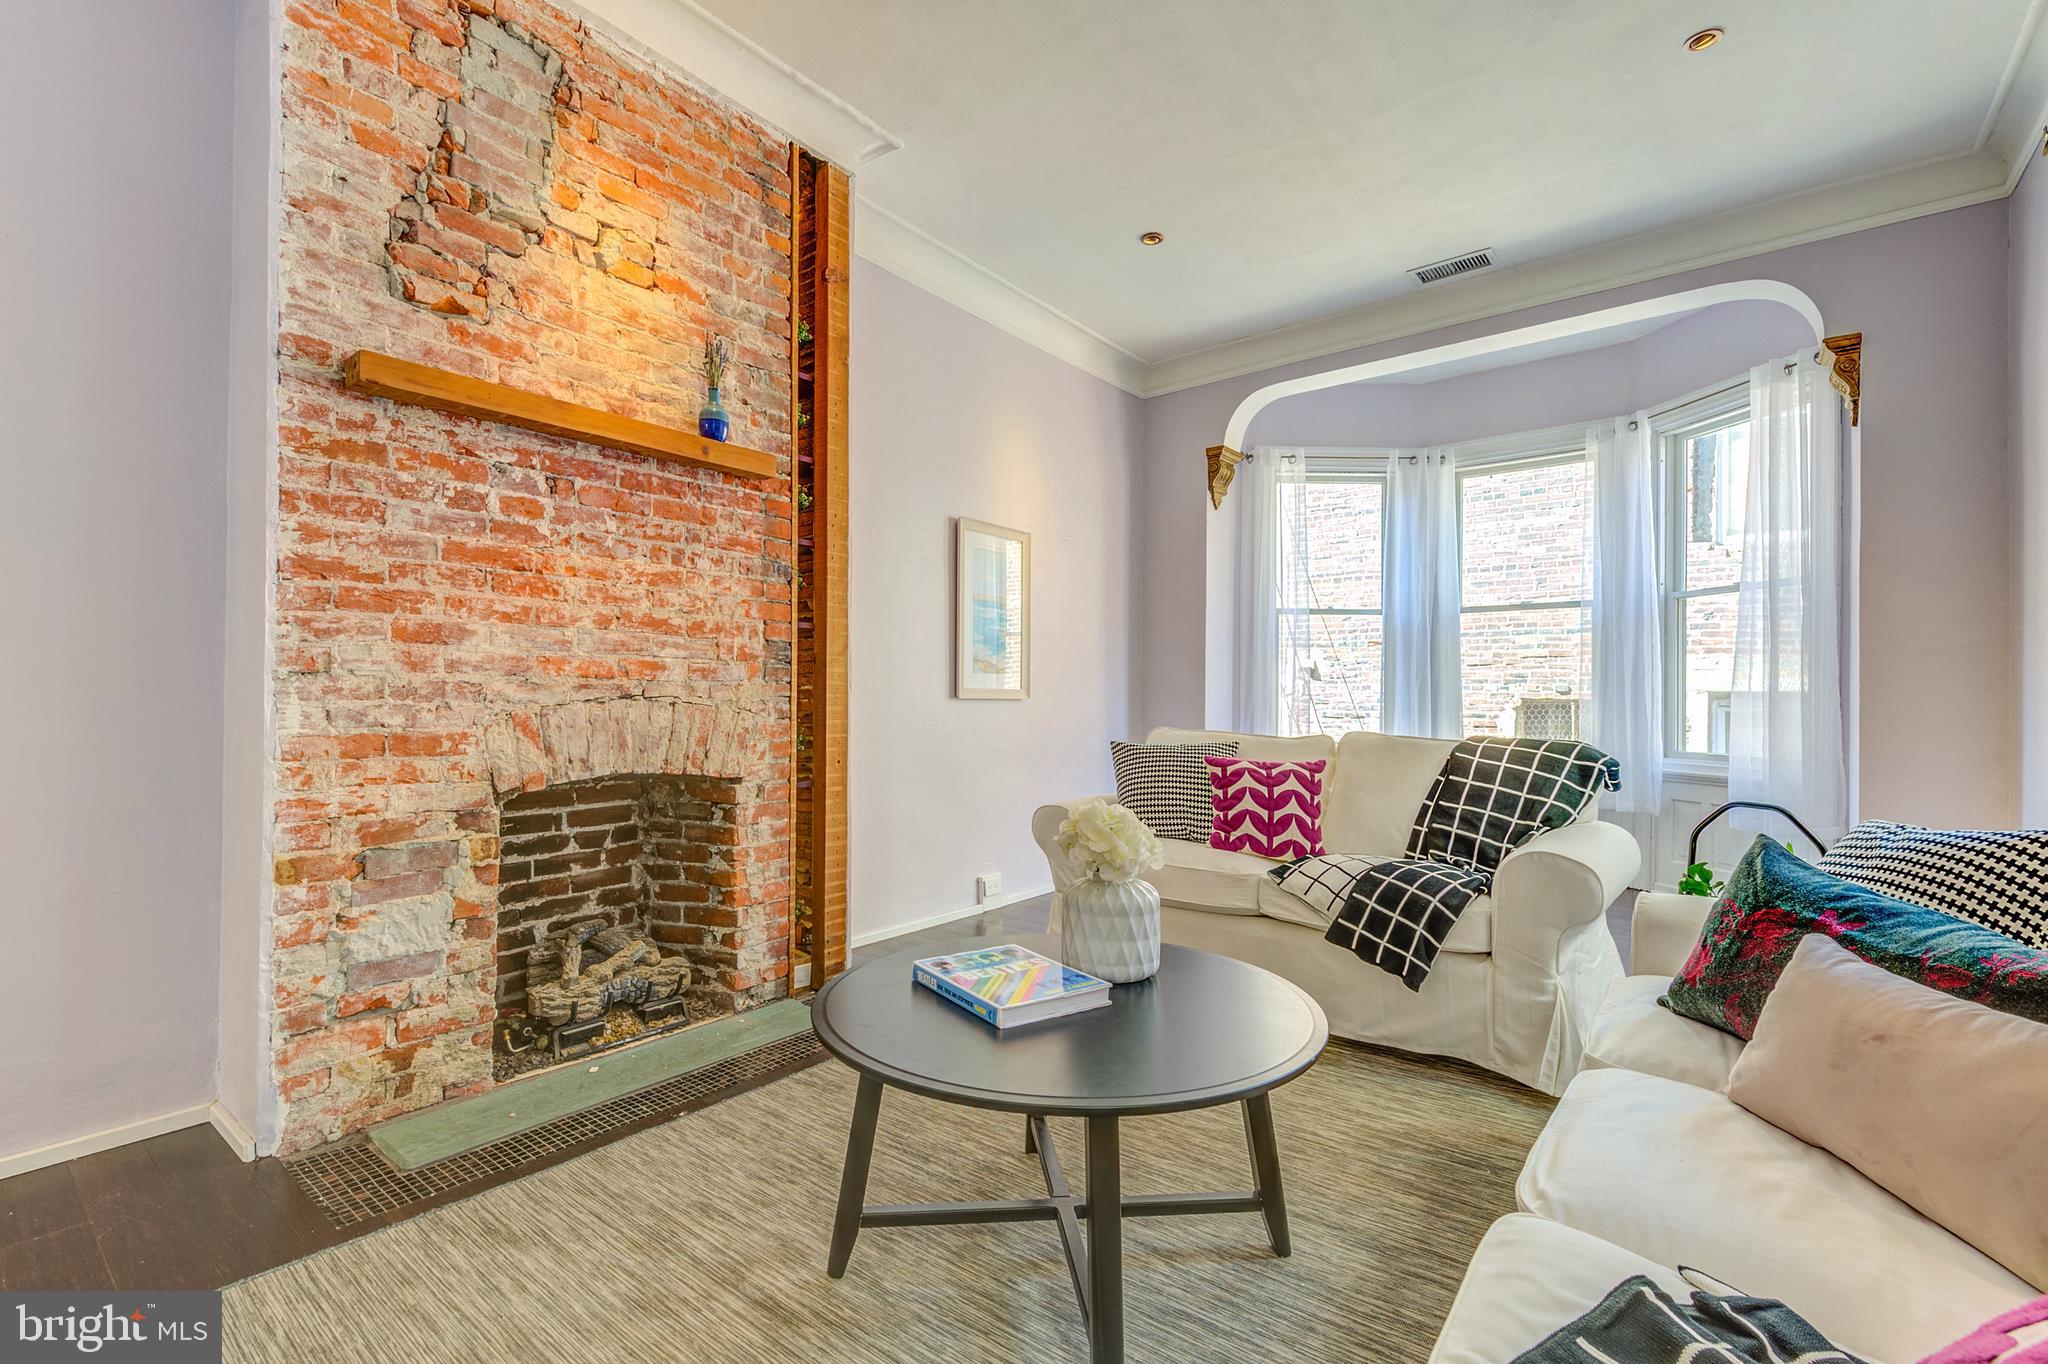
point(1009, 985)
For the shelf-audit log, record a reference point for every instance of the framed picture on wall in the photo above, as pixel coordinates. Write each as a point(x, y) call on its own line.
point(992, 621)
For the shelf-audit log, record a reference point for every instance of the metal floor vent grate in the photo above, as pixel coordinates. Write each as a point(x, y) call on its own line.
point(353, 1183)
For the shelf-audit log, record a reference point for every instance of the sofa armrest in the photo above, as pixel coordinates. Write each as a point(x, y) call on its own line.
point(1559, 880)
point(1045, 828)
point(1664, 931)
point(1580, 869)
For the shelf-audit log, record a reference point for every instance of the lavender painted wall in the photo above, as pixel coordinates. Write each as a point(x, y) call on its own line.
point(2028, 358)
point(1683, 357)
point(115, 398)
point(952, 417)
point(1934, 629)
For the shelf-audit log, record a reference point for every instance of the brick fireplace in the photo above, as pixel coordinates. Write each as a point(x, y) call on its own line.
point(476, 625)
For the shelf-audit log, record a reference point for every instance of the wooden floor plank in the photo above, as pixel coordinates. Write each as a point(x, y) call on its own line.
point(67, 1259)
point(38, 1203)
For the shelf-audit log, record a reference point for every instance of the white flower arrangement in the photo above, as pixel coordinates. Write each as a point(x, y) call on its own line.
point(1108, 841)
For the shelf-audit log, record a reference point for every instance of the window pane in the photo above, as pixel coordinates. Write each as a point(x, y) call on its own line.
point(1708, 628)
point(1521, 671)
point(1524, 533)
point(1716, 491)
point(1338, 685)
point(1340, 525)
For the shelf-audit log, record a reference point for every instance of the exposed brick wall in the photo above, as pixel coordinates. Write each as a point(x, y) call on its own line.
point(565, 854)
point(465, 611)
point(647, 851)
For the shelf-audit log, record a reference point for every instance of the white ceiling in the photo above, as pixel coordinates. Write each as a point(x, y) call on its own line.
point(1302, 155)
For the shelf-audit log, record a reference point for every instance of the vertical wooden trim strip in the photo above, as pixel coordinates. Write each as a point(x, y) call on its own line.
point(796, 718)
point(829, 445)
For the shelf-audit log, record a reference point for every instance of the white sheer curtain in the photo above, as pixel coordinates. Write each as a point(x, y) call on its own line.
point(1265, 671)
point(1423, 695)
point(1627, 719)
point(1785, 738)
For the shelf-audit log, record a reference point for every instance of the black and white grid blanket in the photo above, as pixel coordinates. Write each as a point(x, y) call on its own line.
point(1490, 797)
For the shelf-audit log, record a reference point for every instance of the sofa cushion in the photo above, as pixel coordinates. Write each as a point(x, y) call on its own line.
point(1937, 1099)
point(1680, 1175)
point(1633, 1031)
point(1529, 1277)
point(1774, 899)
point(1197, 876)
point(1263, 746)
point(1369, 802)
point(1472, 934)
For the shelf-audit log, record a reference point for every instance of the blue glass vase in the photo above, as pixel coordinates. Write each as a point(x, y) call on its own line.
point(712, 423)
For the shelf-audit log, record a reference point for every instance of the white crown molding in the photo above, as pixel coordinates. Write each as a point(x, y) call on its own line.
point(886, 240)
point(695, 41)
point(1932, 187)
point(2014, 127)
point(685, 35)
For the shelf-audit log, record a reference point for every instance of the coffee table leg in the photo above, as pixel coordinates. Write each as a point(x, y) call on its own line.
point(1258, 1131)
point(1030, 1140)
point(1105, 1244)
point(853, 1181)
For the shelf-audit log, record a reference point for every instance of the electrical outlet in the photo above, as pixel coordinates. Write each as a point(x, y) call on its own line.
point(987, 887)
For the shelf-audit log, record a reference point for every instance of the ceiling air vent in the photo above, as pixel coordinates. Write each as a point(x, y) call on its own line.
point(1456, 265)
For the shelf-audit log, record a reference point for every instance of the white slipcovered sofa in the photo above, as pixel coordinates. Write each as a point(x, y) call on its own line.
point(1516, 984)
point(1647, 1165)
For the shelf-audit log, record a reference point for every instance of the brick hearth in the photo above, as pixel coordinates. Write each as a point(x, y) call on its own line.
point(467, 612)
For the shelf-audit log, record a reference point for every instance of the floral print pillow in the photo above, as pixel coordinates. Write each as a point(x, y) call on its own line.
point(1774, 899)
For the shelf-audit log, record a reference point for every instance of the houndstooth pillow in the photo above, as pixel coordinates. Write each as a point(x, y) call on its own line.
point(1167, 785)
point(1997, 878)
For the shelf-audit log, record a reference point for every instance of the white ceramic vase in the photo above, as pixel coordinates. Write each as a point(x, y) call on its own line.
point(1111, 928)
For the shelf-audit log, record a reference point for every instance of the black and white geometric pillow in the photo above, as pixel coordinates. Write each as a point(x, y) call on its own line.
point(1167, 785)
point(1997, 878)
point(1323, 882)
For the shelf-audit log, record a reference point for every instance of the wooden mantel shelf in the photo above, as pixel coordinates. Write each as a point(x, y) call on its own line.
point(403, 381)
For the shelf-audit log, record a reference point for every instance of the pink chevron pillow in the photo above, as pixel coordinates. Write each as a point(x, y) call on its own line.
point(1269, 809)
point(2018, 1337)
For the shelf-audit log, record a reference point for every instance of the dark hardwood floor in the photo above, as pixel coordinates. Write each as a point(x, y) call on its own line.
point(1025, 916)
point(182, 1211)
point(176, 1211)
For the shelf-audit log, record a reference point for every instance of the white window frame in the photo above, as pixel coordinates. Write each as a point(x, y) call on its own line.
point(1670, 429)
point(1528, 450)
point(1357, 464)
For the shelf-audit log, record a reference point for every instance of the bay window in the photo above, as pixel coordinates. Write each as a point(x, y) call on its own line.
point(1332, 546)
point(1703, 461)
point(1524, 523)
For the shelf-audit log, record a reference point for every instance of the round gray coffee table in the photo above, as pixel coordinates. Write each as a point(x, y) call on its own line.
point(1206, 1030)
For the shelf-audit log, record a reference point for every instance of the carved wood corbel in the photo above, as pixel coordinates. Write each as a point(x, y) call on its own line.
point(1845, 368)
point(1223, 462)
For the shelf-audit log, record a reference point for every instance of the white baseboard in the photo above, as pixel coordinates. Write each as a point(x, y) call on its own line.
point(94, 1142)
point(232, 1132)
point(948, 916)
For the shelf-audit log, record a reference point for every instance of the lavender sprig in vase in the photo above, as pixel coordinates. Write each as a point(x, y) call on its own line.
point(712, 421)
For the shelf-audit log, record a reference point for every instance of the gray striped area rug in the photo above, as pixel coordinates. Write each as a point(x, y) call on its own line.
point(704, 1240)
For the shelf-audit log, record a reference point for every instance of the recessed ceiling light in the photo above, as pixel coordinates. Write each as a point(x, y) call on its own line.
point(1151, 238)
point(1704, 39)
